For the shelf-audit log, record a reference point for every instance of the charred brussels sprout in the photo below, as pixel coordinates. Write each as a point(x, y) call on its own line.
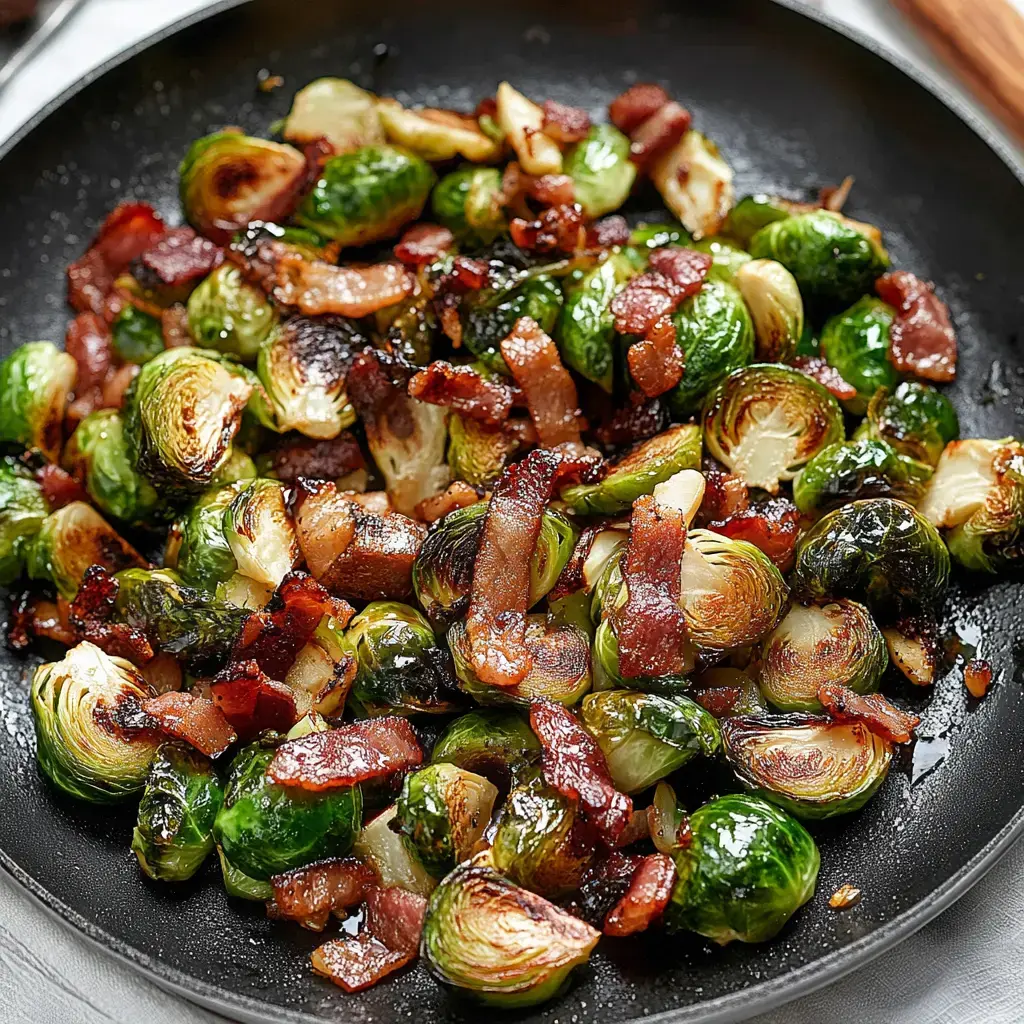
point(881, 551)
point(499, 745)
point(915, 419)
point(337, 110)
point(437, 134)
point(230, 315)
point(765, 422)
point(817, 644)
point(197, 548)
point(394, 860)
point(812, 767)
point(601, 170)
point(443, 811)
point(239, 885)
point(467, 202)
point(856, 343)
point(776, 307)
point(646, 736)
point(477, 454)
point(748, 868)
point(726, 258)
point(36, 381)
point(752, 213)
point(22, 512)
point(367, 195)
point(577, 602)
point(500, 943)
point(174, 831)
point(137, 336)
point(80, 746)
point(260, 533)
point(696, 184)
point(265, 829)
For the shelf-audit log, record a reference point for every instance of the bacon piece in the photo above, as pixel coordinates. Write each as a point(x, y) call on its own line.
point(251, 701)
point(465, 390)
point(656, 362)
point(394, 916)
point(608, 231)
point(921, 340)
point(725, 493)
point(676, 274)
point(314, 286)
point(564, 124)
point(181, 257)
point(828, 376)
point(604, 883)
point(423, 243)
point(977, 677)
point(639, 102)
point(659, 133)
point(359, 963)
point(316, 459)
point(89, 616)
point(636, 421)
point(370, 749)
point(33, 616)
point(556, 229)
point(878, 714)
point(468, 274)
point(773, 525)
point(553, 190)
point(457, 495)
point(89, 342)
point(59, 487)
point(311, 894)
point(174, 326)
point(685, 268)
point(573, 764)
point(536, 366)
point(646, 899)
point(195, 720)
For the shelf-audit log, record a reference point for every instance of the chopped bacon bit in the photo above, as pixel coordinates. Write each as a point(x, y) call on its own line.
point(686, 268)
point(59, 488)
point(828, 376)
point(636, 421)
point(638, 829)
point(371, 749)
point(89, 342)
point(465, 390)
point(834, 197)
point(660, 132)
point(977, 677)
point(557, 229)
point(359, 963)
point(469, 274)
point(394, 916)
point(845, 896)
point(195, 720)
point(317, 287)
point(564, 124)
point(311, 894)
point(773, 525)
point(608, 231)
point(656, 362)
point(676, 274)
point(651, 626)
point(317, 458)
point(921, 340)
point(646, 899)
point(878, 714)
point(117, 384)
point(89, 616)
point(33, 616)
point(181, 257)
point(573, 764)
point(639, 102)
point(725, 493)
point(423, 243)
point(552, 190)
point(252, 702)
point(458, 495)
point(174, 326)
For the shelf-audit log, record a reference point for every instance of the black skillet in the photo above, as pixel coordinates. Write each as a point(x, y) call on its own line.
point(794, 103)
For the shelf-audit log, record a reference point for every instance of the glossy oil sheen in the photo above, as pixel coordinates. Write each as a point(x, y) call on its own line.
point(793, 106)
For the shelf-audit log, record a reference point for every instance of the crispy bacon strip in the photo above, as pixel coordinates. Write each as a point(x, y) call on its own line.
point(921, 340)
point(423, 243)
point(660, 132)
point(311, 894)
point(651, 627)
point(573, 764)
point(457, 495)
point(646, 899)
point(359, 963)
point(878, 714)
point(465, 390)
point(636, 421)
point(675, 275)
point(59, 487)
point(536, 366)
point(317, 458)
point(195, 720)
point(33, 616)
point(251, 701)
point(639, 102)
point(773, 525)
point(316, 287)
point(656, 362)
point(564, 124)
point(89, 616)
point(559, 228)
point(828, 376)
point(181, 257)
point(370, 749)
point(394, 916)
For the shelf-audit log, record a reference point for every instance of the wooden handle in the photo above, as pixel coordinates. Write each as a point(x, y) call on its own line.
point(983, 42)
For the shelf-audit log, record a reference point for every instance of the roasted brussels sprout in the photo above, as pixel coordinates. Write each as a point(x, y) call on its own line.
point(476, 453)
point(75, 704)
point(239, 885)
point(391, 856)
point(367, 195)
point(765, 422)
point(658, 236)
point(522, 121)
point(230, 315)
point(726, 692)
point(197, 547)
point(601, 170)
point(576, 602)
point(36, 381)
point(915, 419)
point(817, 644)
point(856, 343)
point(436, 134)
point(776, 307)
point(748, 868)
point(813, 767)
point(174, 831)
point(500, 943)
point(443, 811)
point(467, 201)
point(137, 335)
point(754, 212)
point(260, 533)
point(337, 110)
point(696, 184)
point(726, 258)
point(22, 512)
point(266, 829)
point(881, 551)
point(646, 736)
point(500, 745)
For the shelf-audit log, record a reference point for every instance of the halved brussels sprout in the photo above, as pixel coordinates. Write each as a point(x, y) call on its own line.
point(915, 419)
point(174, 831)
point(748, 868)
point(754, 212)
point(230, 315)
point(436, 134)
point(499, 942)
point(881, 551)
point(80, 746)
point(696, 184)
point(856, 343)
point(443, 811)
point(197, 547)
point(266, 829)
point(765, 422)
point(500, 745)
point(522, 122)
point(601, 170)
point(813, 767)
point(394, 860)
point(646, 736)
point(467, 201)
point(36, 381)
point(817, 644)
point(726, 258)
point(239, 885)
point(715, 332)
point(579, 605)
point(260, 533)
point(776, 307)
point(658, 236)
point(476, 453)
point(23, 510)
point(228, 179)
point(337, 110)
point(638, 472)
point(367, 195)
point(137, 336)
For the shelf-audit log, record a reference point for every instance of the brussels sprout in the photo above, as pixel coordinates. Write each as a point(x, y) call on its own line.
point(467, 201)
point(646, 736)
point(237, 466)
point(601, 170)
point(726, 258)
point(69, 541)
point(137, 336)
point(502, 944)
point(76, 703)
point(977, 493)
point(443, 811)
point(401, 668)
point(849, 470)
point(765, 422)
point(36, 381)
point(776, 307)
point(477, 454)
point(228, 179)
point(915, 419)
point(499, 745)
point(320, 676)
point(239, 885)
point(337, 110)
point(230, 315)
point(174, 831)
point(716, 334)
point(816, 644)
point(658, 236)
point(367, 195)
point(577, 602)
point(392, 857)
point(813, 767)
point(260, 533)
point(748, 868)
point(266, 829)
point(536, 844)
point(97, 454)
point(881, 551)
point(443, 571)
point(856, 343)
point(436, 134)
point(197, 547)
point(752, 213)
point(726, 692)
point(23, 510)
point(696, 184)
point(522, 121)
point(832, 258)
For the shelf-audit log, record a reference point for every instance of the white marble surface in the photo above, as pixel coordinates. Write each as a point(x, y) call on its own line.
point(967, 967)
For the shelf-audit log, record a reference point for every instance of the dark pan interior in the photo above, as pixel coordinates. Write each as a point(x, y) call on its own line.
point(793, 105)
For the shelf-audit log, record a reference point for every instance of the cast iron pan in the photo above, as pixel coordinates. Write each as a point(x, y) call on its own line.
point(794, 104)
